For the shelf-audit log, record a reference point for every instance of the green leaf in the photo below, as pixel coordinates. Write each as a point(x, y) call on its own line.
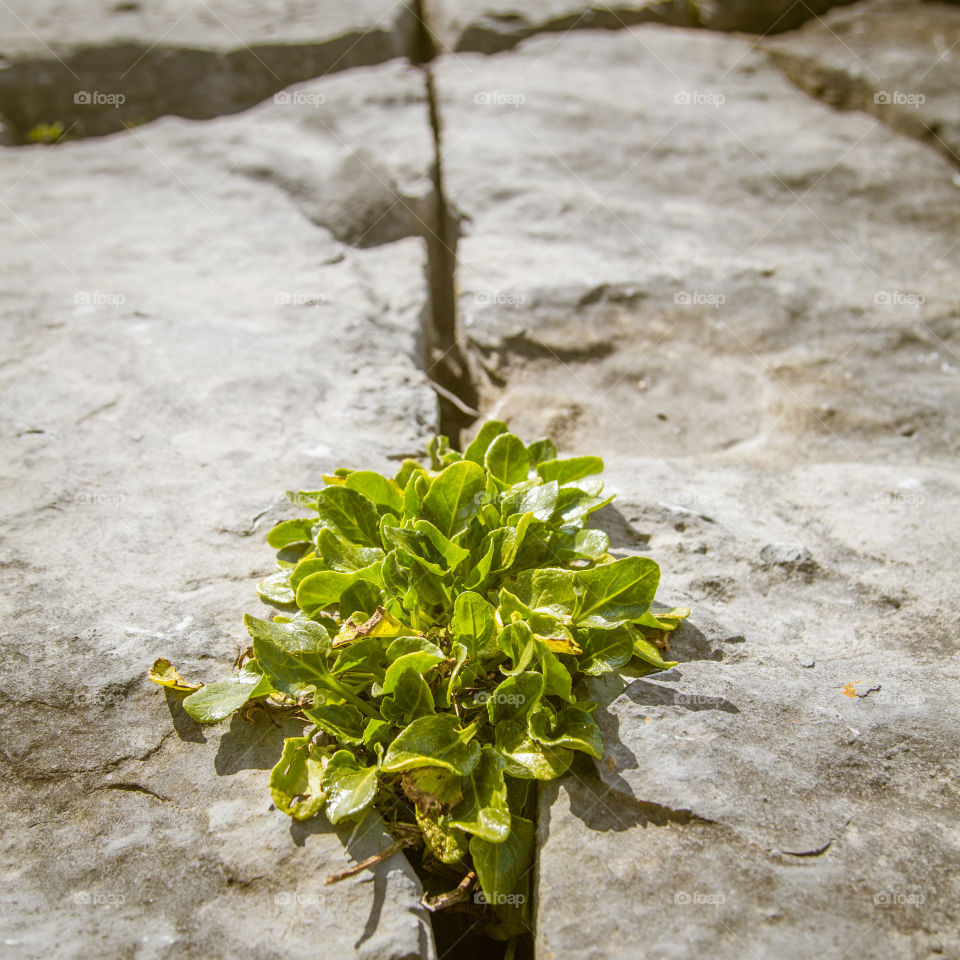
point(515, 698)
point(517, 642)
point(433, 742)
point(484, 811)
point(571, 727)
point(503, 867)
point(604, 650)
point(446, 843)
point(341, 555)
point(290, 531)
point(614, 592)
point(563, 471)
point(383, 492)
point(473, 624)
point(452, 498)
point(277, 589)
point(296, 782)
point(488, 432)
point(541, 450)
point(453, 554)
point(349, 787)
point(319, 590)
point(214, 702)
point(525, 757)
point(574, 506)
point(648, 652)
point(407, 695)
point(539, 499)
point(290, 653)
point(589, 544)
point(507, 459)
point(343, 721)
point(350, 514)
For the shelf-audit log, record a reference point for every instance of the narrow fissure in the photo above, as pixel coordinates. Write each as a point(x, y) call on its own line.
point(444, 358)
point(459, 931)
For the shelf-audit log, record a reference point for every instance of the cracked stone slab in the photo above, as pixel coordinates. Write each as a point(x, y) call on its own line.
point(99, 67)
point(892, 59)
point(747, 302)
point(635, 264)
point(182, 343)
point(788, 787)
point(489, 26)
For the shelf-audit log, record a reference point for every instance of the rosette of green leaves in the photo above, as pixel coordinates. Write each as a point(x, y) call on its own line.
point(432, 629)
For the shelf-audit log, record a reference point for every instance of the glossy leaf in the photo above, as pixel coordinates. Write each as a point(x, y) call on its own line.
point(349, 787)
point(502, 867)
point(296, 782)
point(507, 459)
point(484, 811)
point(453, 497)
point(433, 741)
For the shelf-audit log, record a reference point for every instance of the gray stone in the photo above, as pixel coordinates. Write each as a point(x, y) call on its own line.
point(490, 26)
point(183, 342)
point(100, 67)
point(792, 556)
point(741, 297)
point(893, 59)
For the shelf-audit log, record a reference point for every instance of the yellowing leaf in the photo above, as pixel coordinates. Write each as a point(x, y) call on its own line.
point(167, 675)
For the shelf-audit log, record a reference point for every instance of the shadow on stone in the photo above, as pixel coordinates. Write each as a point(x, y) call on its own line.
point(620, 531)
point(653, 695)
point(185, 726)
point(252, 745)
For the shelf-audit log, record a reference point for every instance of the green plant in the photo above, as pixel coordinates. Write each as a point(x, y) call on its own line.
point(434, 629)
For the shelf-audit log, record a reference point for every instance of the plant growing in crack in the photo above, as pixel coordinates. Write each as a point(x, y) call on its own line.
point(434, 631)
